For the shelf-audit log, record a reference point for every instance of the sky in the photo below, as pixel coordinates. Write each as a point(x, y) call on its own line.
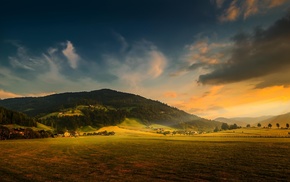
point(211, 58)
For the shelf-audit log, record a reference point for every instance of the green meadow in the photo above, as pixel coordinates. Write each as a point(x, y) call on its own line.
point(145, 157)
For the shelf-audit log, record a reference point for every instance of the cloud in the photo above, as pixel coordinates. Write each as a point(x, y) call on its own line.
point(274, 3)
point(71, 55)
point(5, 94)
point(281, 78)
point(17, 64)
point(7, 77)
point(23, 60)
point(170, 94)
point(31, 73)
point(214, 110)
point(157, 63)
point(202, 55)
point(250, 8)
point(123, 42)
point(142, 62)
point(53, 73)
point(262, 54)
point(245, 8)
point(219, 3)
point(231, 13)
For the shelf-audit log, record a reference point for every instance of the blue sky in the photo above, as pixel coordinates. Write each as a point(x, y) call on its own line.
point(210, 58)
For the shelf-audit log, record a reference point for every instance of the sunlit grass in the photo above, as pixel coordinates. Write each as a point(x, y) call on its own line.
point(135, 124)
point(43, 127)
point(252, 132)
point(87, 129)
point(132, 123)
point(145, 158)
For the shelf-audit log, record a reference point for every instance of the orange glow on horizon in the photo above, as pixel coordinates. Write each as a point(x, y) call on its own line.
point(235, 100)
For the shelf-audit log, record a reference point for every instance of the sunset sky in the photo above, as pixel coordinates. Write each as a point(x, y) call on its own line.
point(211, 58)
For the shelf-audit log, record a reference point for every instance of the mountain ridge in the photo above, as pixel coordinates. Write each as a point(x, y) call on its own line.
point(282, 119)
point(104, 107)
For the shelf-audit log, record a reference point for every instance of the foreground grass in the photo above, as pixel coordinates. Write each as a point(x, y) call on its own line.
point(147, 158)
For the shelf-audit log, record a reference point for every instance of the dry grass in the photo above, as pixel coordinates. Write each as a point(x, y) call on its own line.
point(128, 132)
point(253, 132)
point(145, 158)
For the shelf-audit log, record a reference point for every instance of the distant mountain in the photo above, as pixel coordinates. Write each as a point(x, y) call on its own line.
point(282, 119)
point(102, 108)
point(251, 120)
point(243, 121)
point(231, 121)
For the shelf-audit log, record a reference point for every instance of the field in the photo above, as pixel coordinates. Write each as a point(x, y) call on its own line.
point(252, 132)
point(145, 157)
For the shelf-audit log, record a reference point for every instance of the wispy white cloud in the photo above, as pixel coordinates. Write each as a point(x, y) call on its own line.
point(123, 42)
point(18, 64)
point(71, 55)
point(157, 63)
point(53, 73)
point(34, 74)
point(23, 60)
point(143, 62)
point(8, 77)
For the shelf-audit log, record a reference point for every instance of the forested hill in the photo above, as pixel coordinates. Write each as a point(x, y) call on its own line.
point(8, 117)
point(103, 107)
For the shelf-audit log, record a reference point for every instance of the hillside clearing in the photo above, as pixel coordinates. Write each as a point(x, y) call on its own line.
point(127, 132)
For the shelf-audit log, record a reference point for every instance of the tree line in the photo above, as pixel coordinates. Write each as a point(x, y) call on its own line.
point(92, 117)
point(277, 125)
point(225, 126)
point(22, 133)
point(12, 117)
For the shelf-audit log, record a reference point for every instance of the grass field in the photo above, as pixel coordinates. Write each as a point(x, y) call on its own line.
point(145, 158)
point(136, 125)
point(252, 132)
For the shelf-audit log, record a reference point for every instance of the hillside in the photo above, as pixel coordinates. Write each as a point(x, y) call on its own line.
point(243, 121)
point(252, 120)
point(282, 119)
point(103, 108)
point(231, 121)
point(8, 117)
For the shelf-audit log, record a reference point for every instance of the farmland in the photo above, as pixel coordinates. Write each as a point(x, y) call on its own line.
point(145, 157)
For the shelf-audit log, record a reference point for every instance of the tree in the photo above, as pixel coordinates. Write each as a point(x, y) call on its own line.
point(234, 126)
point(287, 125)
point(278, 125)
point(216, 129)
point(259, 125)
point(4, 133)
point(225, 126)
point(248, 125)
point(270, 125)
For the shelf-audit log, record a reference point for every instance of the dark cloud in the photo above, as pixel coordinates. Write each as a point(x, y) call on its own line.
point(262, 54)
point(196, 66)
